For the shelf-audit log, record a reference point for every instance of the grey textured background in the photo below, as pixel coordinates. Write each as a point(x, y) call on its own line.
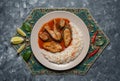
point(106, 13)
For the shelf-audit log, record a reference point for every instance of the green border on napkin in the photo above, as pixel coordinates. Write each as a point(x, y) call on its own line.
point(36, 68)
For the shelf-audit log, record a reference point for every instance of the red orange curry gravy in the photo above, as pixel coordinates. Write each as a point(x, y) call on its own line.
point(64, 33)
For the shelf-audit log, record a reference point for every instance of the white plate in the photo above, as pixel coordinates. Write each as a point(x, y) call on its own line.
point(74, 19)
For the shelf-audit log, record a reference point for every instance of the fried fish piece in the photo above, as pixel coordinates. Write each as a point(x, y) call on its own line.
point(67, 25)
point(58, 34)
point(52, 46)
point(44, 36)
point(62, 23)
point(67, 36)
point(55, 34)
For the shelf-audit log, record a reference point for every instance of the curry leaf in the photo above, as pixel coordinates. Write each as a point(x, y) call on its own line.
point(26, 26)
point(26, 55)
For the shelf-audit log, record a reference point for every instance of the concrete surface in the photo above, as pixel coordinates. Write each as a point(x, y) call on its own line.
point(106, 13)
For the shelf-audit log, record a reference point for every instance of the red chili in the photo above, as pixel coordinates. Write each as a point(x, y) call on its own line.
point(93, 52)
point(94, 37)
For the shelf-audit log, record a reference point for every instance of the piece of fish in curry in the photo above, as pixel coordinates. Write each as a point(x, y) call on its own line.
point(44, 36)
point(67, 36)
point(55, 34)
point(52, 46)
point(62, 23)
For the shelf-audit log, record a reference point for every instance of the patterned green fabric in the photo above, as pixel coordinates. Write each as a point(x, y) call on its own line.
point(36, 68)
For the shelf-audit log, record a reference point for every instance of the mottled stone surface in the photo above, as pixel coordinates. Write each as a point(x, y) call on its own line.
point(106, 13)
